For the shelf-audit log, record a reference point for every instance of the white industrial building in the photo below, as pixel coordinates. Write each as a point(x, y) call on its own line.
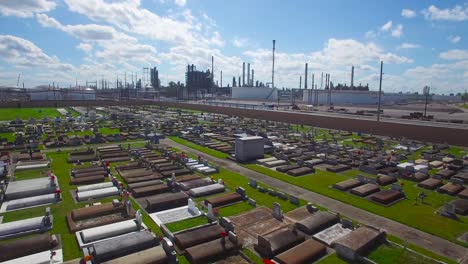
point(255, 93)
point(46, 94)
point(369, 97)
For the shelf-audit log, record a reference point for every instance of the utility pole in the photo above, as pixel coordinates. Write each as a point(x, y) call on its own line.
point(273, 67)
point(426, 92)
point(380, 91)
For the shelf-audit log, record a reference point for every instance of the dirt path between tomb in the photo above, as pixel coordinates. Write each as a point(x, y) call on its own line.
point(422, 239)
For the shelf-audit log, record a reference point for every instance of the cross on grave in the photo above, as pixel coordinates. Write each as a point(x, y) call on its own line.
point(422, 196)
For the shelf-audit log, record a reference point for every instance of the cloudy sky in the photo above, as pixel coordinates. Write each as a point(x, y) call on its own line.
point(69, 41)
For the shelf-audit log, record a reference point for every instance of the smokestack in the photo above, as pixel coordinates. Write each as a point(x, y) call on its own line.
point(239, 82)
point(300, 81)
point(212, 68)
point(305, 76)
point(248, 74)
point(221, 81)
point(253, 74)
point(273, 67)
point(352, 77)
point(312, 81)
point(243, 74)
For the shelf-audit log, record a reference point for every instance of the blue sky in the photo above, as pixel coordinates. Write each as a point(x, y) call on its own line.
point(69, 41)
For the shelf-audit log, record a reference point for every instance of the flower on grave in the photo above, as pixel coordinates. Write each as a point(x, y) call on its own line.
point(267, 261)
point(215, 211)
point(88, 258)
point(224, 234)
point(58, 191)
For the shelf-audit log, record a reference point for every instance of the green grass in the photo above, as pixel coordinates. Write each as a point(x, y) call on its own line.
point(30, 174)
point(109, 131)
point(186, 224)
point(73, 112)
point(456, 151)
point(80, 133)
point(332, 259)
point(254, 258)
point(235, 209)
point(27, 113)
point(10, 136)
point(212, 152)
point(420, 216)
point(390, 253)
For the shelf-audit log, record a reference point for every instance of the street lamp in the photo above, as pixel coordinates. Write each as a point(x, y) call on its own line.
point(426, 91)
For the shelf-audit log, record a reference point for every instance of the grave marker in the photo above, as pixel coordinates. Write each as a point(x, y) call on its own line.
point(252, 202)
point(277, 212)
point(347, 223)
point(294, 200)
point(311, 208)
point(240, 191)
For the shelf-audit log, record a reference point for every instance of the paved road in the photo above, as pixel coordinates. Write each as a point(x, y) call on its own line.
point(414, 236)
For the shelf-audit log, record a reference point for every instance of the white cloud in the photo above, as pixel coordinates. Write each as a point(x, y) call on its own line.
point(457, 13)
point(85, 47)
point(23, 53)
point(25, 8)
point(455, 54)
point(454, 39)
point(180, 2)
point(387, 26)
point(397, 31)
point(408, 46)
point(370, 34)
point(239, 42)
point(408, 13)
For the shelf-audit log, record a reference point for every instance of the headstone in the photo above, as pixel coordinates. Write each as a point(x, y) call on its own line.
point(311, 208)
point(449, 210)
point(272, 192)
point(347, 223)
point(261, 189)
point(128, 207)
point(277, 212)
point(139, 218)
point(294, 200)
point(282, 196)
point(232, 237)
point(191, 207)
point(252, 202)
point(226, 223)
point(210, 213)
point(240, 191)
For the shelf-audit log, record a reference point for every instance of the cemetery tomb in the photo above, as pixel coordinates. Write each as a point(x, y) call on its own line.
point(333, 233)
point(463, 194)
point(95, 234)
point(462, 176)
point(436, 164)
point(206, 170)
point(143, 184)
point(121, 246)
point(142, 179)
point(277, 242)
point(97, 215)
point(358, 242)
point(87, 180)
point(275, 163)
point(384, 180)
point(256, 215)
point(430, 183)
point(222, 200)
point(176, 214)
point(317, 222)
point(347, 184)
point(26, 226)
point(451, 188)
point(417, 177)
point(262, 161)
point(249, 148)
point(193, 237)
point(306, 252)
point(25, 165)
point(82, 158)
point(153, 255)
point(207, 190)
point(461, 206)
point(365, 190)
point(313, 162)
point(94, 186)
point(96, 193)
point(388, 170)
point(30, 188)
point(177, 172)
point(446, 173)
point(286, 168)
point(301, 171)
point(150, 190)
point(386, 196)
point(135, 173)
point(101, 171)
point(211, 251)
point(27, 246)
point(30, 202)
point(168, 168)
point(187, 185)
point(338, 168)
point(185, 178)
point(165, 201)
point(88, 169)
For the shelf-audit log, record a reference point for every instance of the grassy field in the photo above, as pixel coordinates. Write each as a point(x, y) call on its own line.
point(420, 216)
point(186, 224)
point(10, 136)
point(109, 131)
point(27, 113)
point(390, 253)
point(30, 174)
point(206, 150)
point(332, 259)
point(80, 133)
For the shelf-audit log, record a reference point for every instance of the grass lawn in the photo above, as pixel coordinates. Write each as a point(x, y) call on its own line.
point(10, 136)
point(332, 259)
point(206, 150)
point(80, 133)
point(188, 223)
point(30, 174)
point(420, 216)
point(456, 151)
point(73, 112)
point(254, 258)
point(235, 209)
point(390, 253)
point(27, 113)
point(109, 131)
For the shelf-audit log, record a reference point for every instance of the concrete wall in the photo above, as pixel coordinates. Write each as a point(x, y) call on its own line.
point(258, 93)
point(453, 136)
